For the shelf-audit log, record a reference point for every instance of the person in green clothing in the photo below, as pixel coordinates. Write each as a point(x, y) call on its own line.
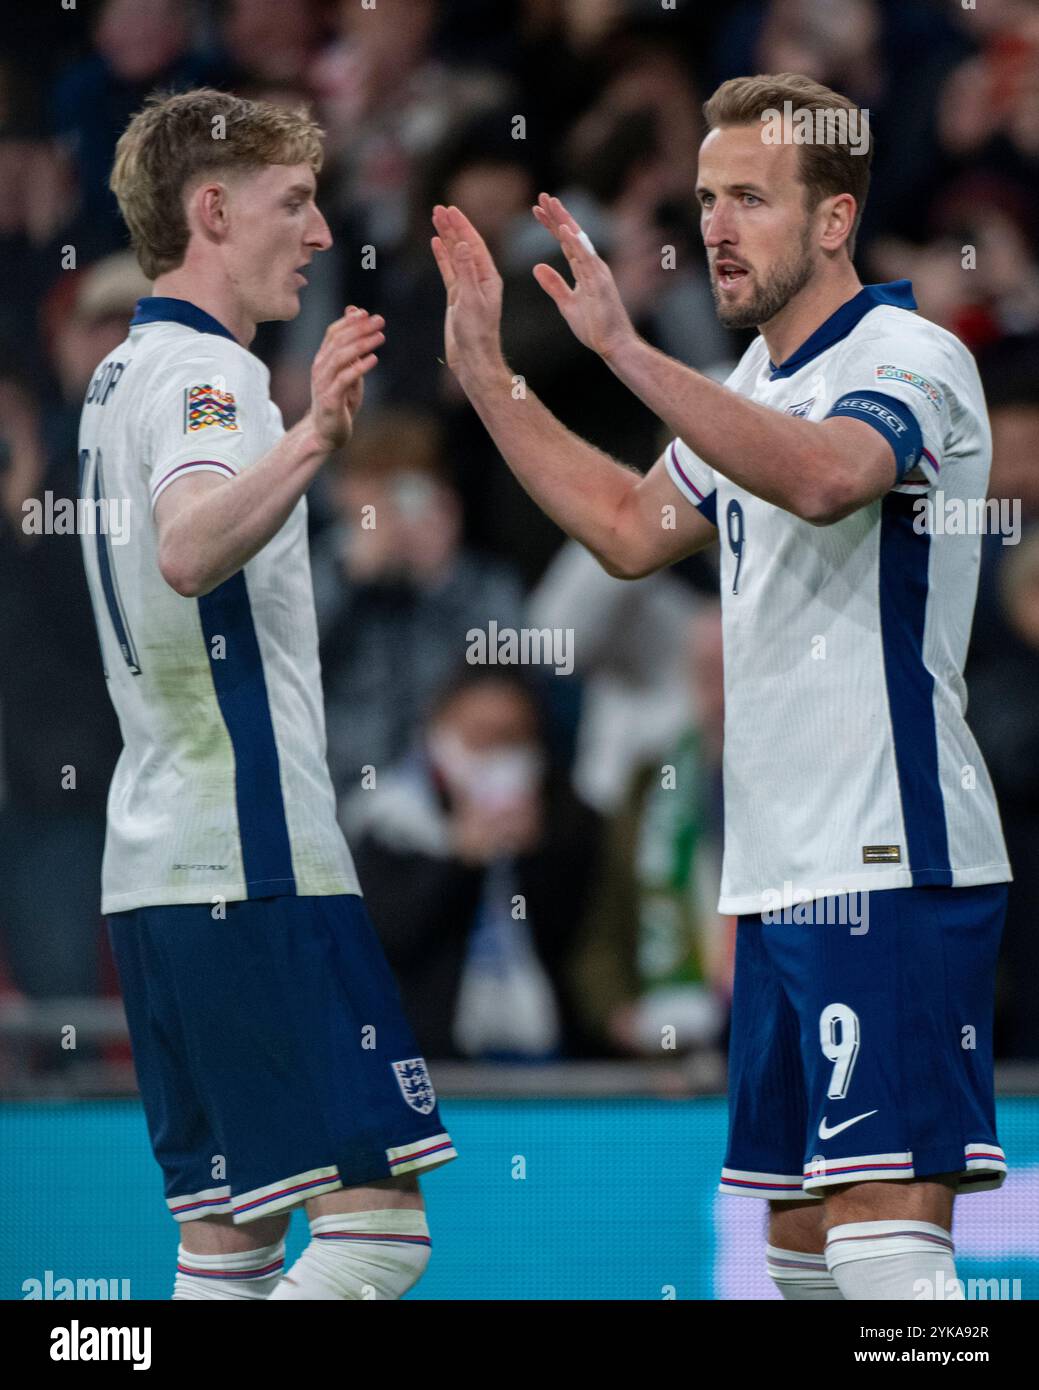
point(656, 963)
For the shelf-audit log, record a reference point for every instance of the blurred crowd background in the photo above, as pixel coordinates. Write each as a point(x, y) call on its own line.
point(541, 852)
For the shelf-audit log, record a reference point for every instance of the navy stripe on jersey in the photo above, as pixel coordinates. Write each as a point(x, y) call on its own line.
point(159, 309)
point(890, 418)
point(904, 558)
point(898, 293)
point(241, 692)
point(109, 585)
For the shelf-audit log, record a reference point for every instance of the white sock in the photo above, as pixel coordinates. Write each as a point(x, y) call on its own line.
point(892, 1260)
point(360, 1255)
point(243, 1274)
point(800, 1276)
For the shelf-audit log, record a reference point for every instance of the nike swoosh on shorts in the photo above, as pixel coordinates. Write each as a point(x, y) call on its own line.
point(827, 1132)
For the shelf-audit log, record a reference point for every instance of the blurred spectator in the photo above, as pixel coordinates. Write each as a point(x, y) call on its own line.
point(36, 184)
point(1004, 713)
point(36, 192)
point(979, 277)
point(481, 167)
point(396, 592)
point(270, 43)
point(139, 46)
point(477, 863)
point(628, 650)
point(60, 738)
point(990, 103)
point(836, 44)
point(636, 151)
point(1010, 373)
point(646, 80)
point(1003, 673)
point(658, 956)
point(385, 101)
point(85, 316)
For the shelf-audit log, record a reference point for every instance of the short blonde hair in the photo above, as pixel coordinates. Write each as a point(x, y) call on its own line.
point(174, 139)
point(826, 168)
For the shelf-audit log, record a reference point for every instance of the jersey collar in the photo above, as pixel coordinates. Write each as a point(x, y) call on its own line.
point(156, 309)
point(842, 321)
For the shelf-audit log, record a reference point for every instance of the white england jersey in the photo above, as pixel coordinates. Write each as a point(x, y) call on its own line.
point(848, 763)
point(221, 789)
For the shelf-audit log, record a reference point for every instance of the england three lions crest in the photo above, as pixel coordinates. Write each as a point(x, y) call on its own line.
point(415, 1085)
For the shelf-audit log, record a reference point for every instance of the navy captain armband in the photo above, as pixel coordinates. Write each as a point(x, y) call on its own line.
point(894, 420)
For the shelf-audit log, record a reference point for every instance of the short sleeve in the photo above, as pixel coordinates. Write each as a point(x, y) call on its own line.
point(205, 420)
point(693, 478)
point(901, 386)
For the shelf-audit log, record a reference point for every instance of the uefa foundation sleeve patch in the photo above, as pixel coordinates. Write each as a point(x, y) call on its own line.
point(207, 407)
point(887, 372)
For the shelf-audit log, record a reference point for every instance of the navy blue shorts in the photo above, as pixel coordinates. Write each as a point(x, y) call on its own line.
point(272, 1053)
point(865, 1053)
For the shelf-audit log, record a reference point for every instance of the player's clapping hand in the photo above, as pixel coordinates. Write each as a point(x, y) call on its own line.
point(593, 307)
point(343, 360)
point(472, 326)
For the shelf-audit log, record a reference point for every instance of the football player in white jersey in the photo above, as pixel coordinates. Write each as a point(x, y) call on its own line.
point(863, 856)
point(275, 1065)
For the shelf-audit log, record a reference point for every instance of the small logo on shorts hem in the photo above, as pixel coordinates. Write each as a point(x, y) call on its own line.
point(881, 854)
point(415, 1084)
point(828, 1131)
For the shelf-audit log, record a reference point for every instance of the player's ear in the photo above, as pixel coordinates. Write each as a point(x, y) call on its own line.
point(210, 205)
point(839, 219)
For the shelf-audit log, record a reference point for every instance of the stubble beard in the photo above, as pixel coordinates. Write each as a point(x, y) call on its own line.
point(786, 280)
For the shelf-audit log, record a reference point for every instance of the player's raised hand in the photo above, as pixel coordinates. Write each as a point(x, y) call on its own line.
point(593, 307)
point(472, 325)
point(345, 357)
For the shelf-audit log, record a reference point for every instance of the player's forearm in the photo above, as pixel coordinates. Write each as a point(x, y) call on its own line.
point(582, 489)
point(778, 457)
point(223, 529)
